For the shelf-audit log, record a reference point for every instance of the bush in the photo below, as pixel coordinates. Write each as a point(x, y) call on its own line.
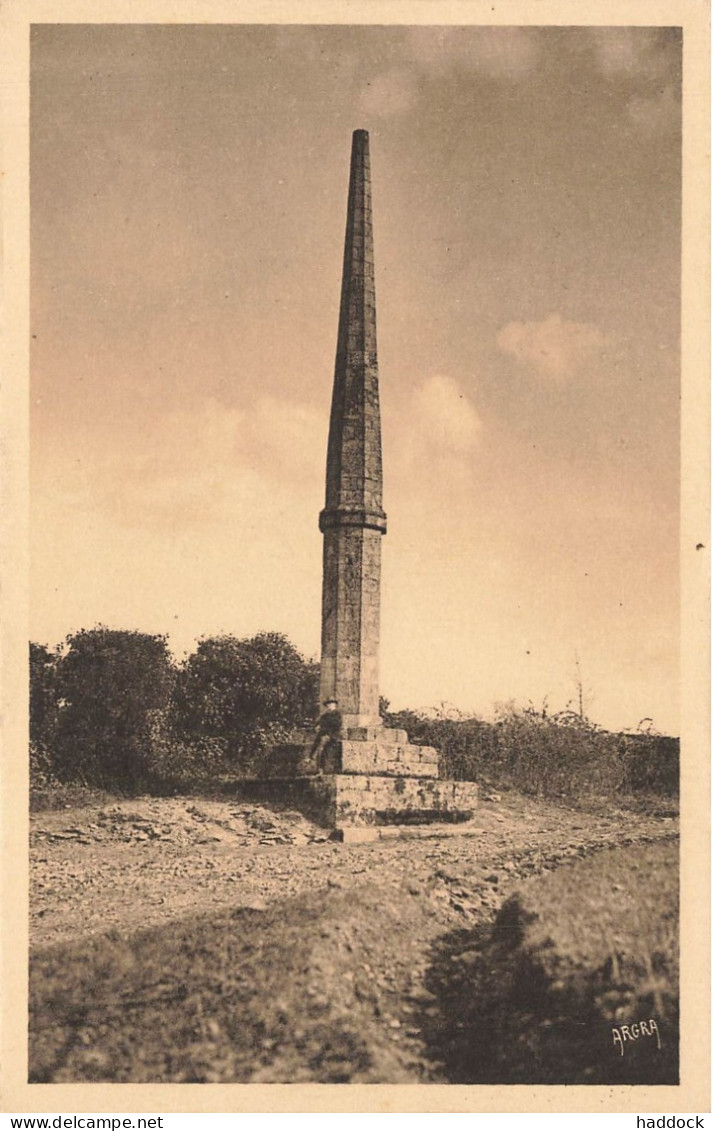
point(107, 687)
point(244, 694)
point(43, 706)
point(42, 777)
point(555, 756)
point(181, 767)
point(112, 711)
point(651, 763)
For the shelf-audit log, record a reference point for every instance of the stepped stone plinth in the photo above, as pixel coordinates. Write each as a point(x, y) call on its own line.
point(359, 806)
point(369, 783)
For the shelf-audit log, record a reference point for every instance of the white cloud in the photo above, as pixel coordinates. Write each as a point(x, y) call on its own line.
point(555, 347)
point(495, 52)
point(648, 60)
point(285, 437)
point(632, 52)
point(429, 447)
point(444, 418)
point(196, 465)
point(655, 114)
point(204, 522)
point(389, 94)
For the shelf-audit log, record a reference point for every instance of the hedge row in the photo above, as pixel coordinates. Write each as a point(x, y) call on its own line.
point(552, 756)
point(112, 710)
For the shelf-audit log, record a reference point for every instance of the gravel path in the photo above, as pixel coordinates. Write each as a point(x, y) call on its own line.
point(141, 863)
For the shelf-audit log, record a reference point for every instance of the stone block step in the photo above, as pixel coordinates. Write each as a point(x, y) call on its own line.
point(351, 757)
point(388, 758)
point(381, 800)
point(298, 736)
point(387, 735)
point(370, 833)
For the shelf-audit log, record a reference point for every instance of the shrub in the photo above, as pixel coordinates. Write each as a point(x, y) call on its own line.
point(43, 705)
point(651, 763)
point(545, 755)
point(175, 766)
point(245, 694)
point(112, 711)
point(107, 686)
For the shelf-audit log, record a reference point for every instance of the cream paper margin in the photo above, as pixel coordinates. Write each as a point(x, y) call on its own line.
point(693, 1093)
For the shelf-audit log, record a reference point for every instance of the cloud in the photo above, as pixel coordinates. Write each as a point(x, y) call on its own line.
point(196, 465)
point(285, 437)
point(433, 53)
point(429, 446)
point(648, 60)
point(444, 418)
point(202, 521)
point(644, 53)
point(389, 94)
point(556, 348)
point(495, 52)
point(655, 114)
point(500, 54)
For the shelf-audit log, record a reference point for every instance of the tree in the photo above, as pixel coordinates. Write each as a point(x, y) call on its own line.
point(110, 684)
point(43, 714)
point(244, 692)
point(43, 695)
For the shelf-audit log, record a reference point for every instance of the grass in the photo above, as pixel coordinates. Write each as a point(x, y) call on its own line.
point(67, 795)
point(243, 996)
point(574, 955)
point(306, 990)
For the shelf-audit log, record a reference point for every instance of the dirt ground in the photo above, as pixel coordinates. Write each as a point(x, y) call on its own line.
point(195, 940)
point(143, 862)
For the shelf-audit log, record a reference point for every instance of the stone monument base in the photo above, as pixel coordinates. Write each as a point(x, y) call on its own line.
point(373, 780)
point(357, 801)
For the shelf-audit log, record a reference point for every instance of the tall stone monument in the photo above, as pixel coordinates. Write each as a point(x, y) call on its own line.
point(378, 782)
point(353, 519)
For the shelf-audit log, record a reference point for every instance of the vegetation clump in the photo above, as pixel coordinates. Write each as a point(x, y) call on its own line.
point(111, 710)
point(561, 756)
point(544, 993)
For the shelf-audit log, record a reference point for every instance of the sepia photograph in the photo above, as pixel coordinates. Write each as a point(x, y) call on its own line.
point(354, 599)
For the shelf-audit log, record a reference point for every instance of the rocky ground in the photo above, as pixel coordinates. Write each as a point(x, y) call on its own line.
point(208, 940)
point(138, 863)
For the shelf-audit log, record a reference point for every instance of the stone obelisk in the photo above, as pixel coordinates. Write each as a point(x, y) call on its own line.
point(353, 520)
point(377, 782)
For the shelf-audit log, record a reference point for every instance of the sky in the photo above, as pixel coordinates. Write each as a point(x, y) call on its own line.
point(188, 197)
